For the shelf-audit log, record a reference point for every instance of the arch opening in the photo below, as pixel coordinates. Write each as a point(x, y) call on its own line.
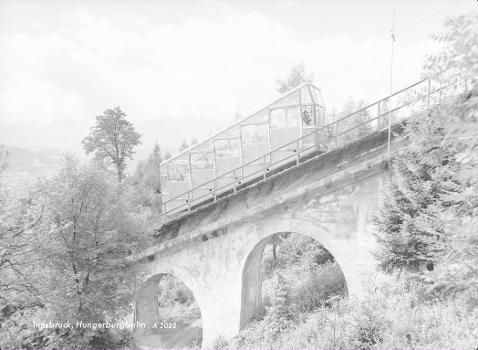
point(170, 314)
point(291, 266)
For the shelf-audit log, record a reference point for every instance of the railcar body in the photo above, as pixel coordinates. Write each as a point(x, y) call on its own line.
point(240, 153)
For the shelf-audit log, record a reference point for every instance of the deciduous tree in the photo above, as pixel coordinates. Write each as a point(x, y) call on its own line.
point(112, 138)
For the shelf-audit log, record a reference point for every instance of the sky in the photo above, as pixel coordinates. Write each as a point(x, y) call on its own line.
point(183, 69)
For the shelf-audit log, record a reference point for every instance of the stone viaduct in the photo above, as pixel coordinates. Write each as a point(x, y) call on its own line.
point(216, 250)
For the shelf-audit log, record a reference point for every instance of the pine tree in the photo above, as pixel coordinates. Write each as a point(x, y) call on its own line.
point(184, 145)
point(432, 200)
point(410, 236)
point(297, 75)
point(279, 313)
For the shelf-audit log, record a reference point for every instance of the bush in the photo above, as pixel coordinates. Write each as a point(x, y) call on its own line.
point(391, 316)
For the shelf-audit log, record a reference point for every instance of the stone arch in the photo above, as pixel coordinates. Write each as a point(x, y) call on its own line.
point(342, 249)
point(147, 312)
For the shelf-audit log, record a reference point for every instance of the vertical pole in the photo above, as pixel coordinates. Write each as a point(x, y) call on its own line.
point(269, 132)
point(164, 212)
point(235, 181)
point(301, 123)
point(190, 172)
point(264, 165)
point(391, 88)
point(190, 178)
point(337, 134)
point(241, 150)
point(214, 163)
point(429, 92)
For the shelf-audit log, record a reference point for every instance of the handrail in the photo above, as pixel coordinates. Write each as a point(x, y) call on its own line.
point(187, 195)
point(294, 141)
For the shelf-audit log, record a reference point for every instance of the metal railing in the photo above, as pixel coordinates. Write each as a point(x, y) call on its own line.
point(362, 123)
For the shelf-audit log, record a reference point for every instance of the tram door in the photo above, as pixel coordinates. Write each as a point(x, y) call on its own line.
point(176, 182)
point(255, 143)
point(228, 158)
point(202, 173)
point(285, 128)
point(310, 119)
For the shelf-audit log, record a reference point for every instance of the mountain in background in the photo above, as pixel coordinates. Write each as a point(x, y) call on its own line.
point(20, 165)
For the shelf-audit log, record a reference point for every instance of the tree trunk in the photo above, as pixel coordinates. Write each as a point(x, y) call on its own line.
point(120, 172)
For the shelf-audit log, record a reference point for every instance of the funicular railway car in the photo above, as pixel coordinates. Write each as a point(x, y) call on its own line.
point(245, 151)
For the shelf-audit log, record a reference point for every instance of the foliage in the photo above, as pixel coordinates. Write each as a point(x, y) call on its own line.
point(355, 126)
point(20, 298)
point(288, 299)
point(184, 146)
point(297, 75)
point(176, 302)
point(219, 343)
point(73, 268)
point(389, 317)
point(430, 213)
point(459, 54)
point(145, 183)
point(293, 250)
point(112, 138)
point(166, 155)
point(279, 313)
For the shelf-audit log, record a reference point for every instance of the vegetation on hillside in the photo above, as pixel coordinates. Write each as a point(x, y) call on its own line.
point(63, 247)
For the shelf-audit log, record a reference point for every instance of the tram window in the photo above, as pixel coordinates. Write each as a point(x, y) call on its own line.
point(201, 161)
point(305, 95)
point(178, 172)
point(227, 148)
point(292, 117)
point(278, 118)
point(285, 118)
point(252, 134)
point(308, 118)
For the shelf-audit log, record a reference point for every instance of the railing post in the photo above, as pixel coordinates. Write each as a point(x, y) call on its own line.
point(297, 158)
point(215, 188)
point(189, 201)
point(378, 117)
point(235, 182)
point(165, 216)
point(264, 164)
point(337, 134)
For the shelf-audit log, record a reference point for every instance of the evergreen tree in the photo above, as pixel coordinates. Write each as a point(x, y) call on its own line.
point(297, 75)
point(184, 145)
point(166, 155)
point(147, 181)
point(432, 201)
point(279, 313)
